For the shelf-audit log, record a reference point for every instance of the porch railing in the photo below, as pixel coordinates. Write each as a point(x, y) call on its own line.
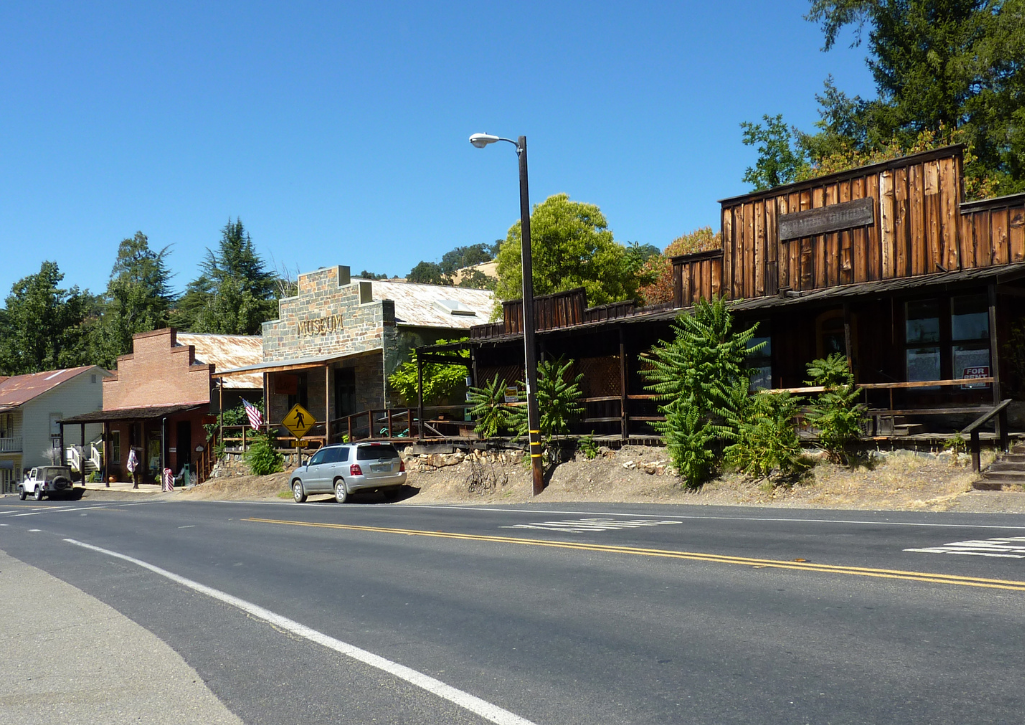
point(10, 445)
point(973, 431)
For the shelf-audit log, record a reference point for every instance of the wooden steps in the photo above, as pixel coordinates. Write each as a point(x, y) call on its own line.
point(1006, 473)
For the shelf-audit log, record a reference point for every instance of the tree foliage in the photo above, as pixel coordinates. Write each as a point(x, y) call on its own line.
point(138, 299)
point(571, 246)
point(945, 71)
point(440, 380)
point(43, 326)
point(701, 382)
point(234, 293)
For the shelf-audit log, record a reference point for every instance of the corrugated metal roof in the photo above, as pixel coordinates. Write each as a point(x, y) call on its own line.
point(154, 411)
point(228, 352)
point(423, 305)
point(20, 389)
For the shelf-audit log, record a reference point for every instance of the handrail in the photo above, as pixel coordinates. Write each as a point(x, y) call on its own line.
point(1001, 429)
point(891, 386)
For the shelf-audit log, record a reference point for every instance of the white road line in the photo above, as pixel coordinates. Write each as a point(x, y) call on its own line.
point(682, 517)
point(465, 700)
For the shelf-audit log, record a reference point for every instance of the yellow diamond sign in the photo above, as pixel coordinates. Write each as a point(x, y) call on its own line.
point(298, 421)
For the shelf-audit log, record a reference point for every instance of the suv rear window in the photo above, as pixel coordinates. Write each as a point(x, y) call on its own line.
point(375, 453)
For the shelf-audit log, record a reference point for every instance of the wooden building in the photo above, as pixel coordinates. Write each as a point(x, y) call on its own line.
point(886, 264)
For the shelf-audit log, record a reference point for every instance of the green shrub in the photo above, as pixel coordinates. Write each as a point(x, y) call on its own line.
point(767, 443)
point(489, 408)
point(261, 457)
point(588, 447)
point(701, 381)
point(836, 413)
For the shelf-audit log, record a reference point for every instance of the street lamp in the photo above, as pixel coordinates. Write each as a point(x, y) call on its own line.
point(480, 140)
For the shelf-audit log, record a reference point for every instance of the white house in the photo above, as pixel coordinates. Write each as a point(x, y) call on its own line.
point(31, 408)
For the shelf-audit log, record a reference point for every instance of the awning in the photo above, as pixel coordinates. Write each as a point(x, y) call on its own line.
point(281, 366)
point(106, 416)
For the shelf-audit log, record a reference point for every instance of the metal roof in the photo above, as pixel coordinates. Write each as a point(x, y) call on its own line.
point(424, 305)
point(228, 352)
point(19, 389)
point(281, 365)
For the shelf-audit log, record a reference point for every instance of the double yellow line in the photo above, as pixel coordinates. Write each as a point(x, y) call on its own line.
point(966, 581)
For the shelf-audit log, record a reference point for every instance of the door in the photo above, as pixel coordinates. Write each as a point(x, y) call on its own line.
point(183, 446)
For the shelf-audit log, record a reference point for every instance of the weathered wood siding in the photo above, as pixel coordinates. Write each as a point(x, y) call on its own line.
point(915, 229)
point(697, 276)
point(560, 309)
point(993, 231)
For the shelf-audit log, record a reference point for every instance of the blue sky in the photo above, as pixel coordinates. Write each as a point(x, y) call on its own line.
point(338, 132)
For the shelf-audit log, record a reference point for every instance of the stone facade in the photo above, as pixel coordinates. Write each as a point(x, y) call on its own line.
point(329, 316)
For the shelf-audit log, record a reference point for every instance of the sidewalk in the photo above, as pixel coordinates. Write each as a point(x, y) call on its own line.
point(91, 664)
point(124, 486)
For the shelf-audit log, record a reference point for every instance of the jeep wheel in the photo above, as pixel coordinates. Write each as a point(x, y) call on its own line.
point(21, 492)
point(38, 493)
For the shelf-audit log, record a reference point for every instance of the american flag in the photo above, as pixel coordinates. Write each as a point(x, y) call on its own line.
point(255, 418)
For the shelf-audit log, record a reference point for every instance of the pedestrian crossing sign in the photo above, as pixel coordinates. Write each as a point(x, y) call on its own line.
point(298, 421)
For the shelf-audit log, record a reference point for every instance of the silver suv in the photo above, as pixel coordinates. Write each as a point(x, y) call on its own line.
point(350, 467)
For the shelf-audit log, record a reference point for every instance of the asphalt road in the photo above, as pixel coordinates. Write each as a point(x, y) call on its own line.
point(559, 614)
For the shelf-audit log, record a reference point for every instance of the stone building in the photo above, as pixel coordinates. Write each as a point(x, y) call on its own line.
point(335, 343)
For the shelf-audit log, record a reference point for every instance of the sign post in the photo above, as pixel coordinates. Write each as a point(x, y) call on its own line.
point(298, 422)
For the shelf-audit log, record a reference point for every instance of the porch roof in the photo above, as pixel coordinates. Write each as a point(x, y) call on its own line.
point(278, 366)
point(941, 281)
point(148, 413)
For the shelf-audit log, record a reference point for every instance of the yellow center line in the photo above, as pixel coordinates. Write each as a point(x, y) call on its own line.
point(688, 555)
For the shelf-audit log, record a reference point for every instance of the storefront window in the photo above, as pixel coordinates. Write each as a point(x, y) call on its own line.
point(969, 332)
point(760, 361)
point(923, 326)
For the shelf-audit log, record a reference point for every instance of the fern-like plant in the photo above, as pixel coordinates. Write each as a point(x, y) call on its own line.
point(767, 444)
point(489, 408)
point(558, 402)
point(836, 414)
point(701, 382)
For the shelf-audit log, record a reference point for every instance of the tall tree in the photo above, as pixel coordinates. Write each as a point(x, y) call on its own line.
point(42, 326)
point(138, 299)
point(234, 293)
point(945, 71)
point(571, 246)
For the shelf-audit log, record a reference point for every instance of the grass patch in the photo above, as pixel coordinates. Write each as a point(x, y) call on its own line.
point(284, 494)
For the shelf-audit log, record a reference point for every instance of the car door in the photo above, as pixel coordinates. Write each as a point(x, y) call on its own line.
point(314, 476)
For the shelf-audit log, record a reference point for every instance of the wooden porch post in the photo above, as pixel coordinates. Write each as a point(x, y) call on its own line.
point(220, 409)
point(81, 453)
point(419, 396)
point(994, 357)
point(327, 404)
point(847, 335)
point(624, 432)
point(106, 453)
point(63, 459)
point(266, 405)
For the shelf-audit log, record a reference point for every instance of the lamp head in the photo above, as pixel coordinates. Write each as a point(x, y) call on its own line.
point(480, 140)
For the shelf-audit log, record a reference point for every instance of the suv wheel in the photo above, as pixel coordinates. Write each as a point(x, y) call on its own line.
point(341, 495)
point(38, 493)
point(297, 491)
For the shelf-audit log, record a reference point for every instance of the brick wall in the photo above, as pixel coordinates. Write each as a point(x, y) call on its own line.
point(157, 373)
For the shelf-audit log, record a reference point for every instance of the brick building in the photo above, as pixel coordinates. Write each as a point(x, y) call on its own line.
point(156, 403)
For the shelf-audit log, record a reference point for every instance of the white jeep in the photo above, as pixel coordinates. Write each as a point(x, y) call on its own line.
point(46, 481)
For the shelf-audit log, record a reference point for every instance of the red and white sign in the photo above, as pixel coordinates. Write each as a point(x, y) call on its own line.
point(975, 371)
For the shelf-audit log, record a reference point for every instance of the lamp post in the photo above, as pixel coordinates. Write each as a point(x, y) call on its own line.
point(480, 140)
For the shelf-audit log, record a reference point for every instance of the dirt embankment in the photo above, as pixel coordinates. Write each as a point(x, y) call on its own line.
point(635, 474)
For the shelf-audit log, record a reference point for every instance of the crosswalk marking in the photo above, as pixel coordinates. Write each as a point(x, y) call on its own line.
point(583, 526)
point(1012, 547)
